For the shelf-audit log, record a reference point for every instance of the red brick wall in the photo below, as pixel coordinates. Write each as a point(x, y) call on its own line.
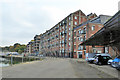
point(89, 33)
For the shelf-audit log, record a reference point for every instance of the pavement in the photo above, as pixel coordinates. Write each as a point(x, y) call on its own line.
point(48, 68)
point(107, 69)
point(104, 68)
point(54, 68)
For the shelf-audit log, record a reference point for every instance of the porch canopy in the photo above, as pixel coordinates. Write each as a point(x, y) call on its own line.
point(108, 35)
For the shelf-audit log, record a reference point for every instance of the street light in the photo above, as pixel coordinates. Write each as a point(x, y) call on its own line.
point(11, 59)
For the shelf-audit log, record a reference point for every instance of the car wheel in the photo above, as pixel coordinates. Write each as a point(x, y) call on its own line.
point(108, 63)
point(117, 68)
point(96, 63)
point(99, 63)
point(113, 65)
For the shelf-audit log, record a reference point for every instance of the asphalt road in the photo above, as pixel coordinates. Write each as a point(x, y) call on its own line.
point(53, 68)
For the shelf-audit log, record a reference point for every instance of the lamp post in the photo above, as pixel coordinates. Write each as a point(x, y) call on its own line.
point(22, 57)
point(11, 59)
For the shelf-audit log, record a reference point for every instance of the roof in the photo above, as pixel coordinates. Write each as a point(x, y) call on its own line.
point(100, 19)
point(84, 23)
point(107, 35)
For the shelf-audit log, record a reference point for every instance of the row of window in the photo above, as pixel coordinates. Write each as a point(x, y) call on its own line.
point(63, 28)
point(62, 49)
point(84, 30)
point(63, 22)
point(51, 45)
point(80, 47)
point(80, 39)
point(75, 17)
point(74, 23)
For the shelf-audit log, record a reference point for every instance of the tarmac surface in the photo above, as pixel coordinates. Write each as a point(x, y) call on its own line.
point(54, 68)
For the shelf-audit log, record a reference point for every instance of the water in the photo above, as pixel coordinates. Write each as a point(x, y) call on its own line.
point(3, 65)
point(3, 62)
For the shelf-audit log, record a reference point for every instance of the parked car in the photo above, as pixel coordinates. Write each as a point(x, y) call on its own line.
point(116, 63)
point(118, 67)
point(89, 57)
point(110, 61)
point(101, 59)
point(40, 55)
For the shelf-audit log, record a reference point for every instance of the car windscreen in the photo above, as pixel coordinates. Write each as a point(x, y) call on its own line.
point(106, 57)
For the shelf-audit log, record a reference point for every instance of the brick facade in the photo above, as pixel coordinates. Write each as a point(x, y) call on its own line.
point(85, 31)
point(58, 41)
point(30, 47)
point(64, 39)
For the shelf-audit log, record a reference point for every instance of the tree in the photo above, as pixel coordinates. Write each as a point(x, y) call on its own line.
point(11, 49)
point(20, 51)
point(16, 44)
point(15, 48)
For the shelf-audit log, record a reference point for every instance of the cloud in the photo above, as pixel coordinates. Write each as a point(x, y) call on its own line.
point(56, 14)
point(21, 20)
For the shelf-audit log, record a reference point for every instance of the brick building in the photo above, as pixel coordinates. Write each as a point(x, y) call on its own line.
point(30, 47)
point(58, 41)
point(108, 36)
point(36, 43)
point(64, 39)
point(85, 31)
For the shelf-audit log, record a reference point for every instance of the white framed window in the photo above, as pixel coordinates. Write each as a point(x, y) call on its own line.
point(93, 28)
point(69, 33)
point(69, 29)
point(69, 43)
point(60, 24)
point(62, 50)
point(62, 45)
point(79, 38)
point(85, 36)
point(66, 26)
point(63, 22)
point(69, 38)
point(69, 23)
point(79, 31)
point(75, 17)
point(81, 47)
point(69, 18)
point(63, 27)
point(75, 23)
point(60, 33)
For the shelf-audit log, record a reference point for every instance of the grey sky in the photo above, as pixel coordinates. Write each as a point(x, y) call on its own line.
point(21, 20)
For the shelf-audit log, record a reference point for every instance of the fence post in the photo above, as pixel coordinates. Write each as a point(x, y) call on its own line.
point(11, 59)
point(22, 57)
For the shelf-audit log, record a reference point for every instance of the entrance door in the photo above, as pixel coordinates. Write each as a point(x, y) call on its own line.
point(80, 54)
